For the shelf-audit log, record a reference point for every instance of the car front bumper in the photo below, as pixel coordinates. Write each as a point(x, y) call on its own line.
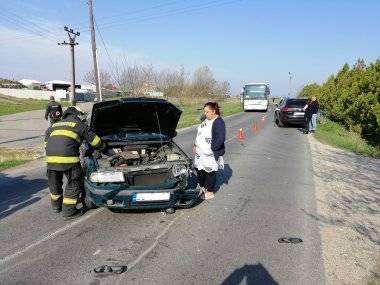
point(122, 197)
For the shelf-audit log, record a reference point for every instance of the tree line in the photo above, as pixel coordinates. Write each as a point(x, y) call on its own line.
point(352, 98)
point(138, 79)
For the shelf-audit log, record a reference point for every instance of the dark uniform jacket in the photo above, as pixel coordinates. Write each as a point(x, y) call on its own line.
point(218, 136)
point(53, 110)
point(63, 140)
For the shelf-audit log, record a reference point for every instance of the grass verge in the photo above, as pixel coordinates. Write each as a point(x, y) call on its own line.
point(14, 157)
point(193, 111)
point(11, 105)
point(11, 163)
point(334, 134)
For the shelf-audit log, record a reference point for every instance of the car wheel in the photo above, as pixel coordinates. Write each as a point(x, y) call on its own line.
point(88, 203)
point(170, 211)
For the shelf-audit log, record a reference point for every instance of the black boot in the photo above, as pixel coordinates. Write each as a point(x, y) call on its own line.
point(76, 214)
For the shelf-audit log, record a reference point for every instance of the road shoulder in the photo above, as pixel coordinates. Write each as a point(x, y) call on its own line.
point(348, 195)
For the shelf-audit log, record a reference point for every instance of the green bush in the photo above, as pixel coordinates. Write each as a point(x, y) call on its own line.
point(352, 98)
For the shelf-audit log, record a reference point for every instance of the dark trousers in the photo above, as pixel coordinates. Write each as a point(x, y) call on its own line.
point(207, 179)
point(307, 124)
point(54, 120)
point(68, 199)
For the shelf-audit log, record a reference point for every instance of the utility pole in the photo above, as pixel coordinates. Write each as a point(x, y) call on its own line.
point(290, 84)
point(72, 35)
point(94, 53)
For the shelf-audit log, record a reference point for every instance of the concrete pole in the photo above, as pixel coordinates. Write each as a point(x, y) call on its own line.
point(93, 43)
point(72, 94)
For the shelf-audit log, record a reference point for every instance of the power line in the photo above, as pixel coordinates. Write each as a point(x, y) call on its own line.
point(177, 11)
point(112, 65)
point(123, 14)
point(28, 26)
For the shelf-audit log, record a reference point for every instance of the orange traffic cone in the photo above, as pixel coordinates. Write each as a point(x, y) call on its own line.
point(240, 135)
point(254, 127)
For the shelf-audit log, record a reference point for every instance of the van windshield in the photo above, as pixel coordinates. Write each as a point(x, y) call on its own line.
point(256, 92)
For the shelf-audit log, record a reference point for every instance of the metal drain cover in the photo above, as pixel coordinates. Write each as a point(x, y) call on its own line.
point(289, 240)
point(107, 269)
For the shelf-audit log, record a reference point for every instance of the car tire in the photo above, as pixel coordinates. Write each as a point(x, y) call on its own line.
point(169, 211)
point(88, 203)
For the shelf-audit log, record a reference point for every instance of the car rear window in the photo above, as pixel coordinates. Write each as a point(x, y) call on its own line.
point(296, 103)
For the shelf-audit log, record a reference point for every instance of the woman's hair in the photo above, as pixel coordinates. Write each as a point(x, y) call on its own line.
point(213, 106)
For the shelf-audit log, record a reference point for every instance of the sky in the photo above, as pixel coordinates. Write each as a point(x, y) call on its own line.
point(241, 41)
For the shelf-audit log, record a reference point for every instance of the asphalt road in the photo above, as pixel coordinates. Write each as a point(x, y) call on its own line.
point(264, 193)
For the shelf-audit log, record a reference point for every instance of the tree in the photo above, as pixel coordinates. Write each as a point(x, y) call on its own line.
point(104, 76)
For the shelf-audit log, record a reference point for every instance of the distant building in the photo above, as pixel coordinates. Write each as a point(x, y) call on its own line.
point(154, 94)
point(32, 84)
point(60, 85)
point(89, 87)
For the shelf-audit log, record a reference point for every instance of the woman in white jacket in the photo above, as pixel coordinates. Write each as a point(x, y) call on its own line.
point(209, 149)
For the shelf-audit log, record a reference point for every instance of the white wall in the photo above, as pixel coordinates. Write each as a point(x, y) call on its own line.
point(26, 93)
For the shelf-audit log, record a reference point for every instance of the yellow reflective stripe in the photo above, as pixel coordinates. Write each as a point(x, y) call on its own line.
point(69, 201)
point(96, 141)
point(62, 159)
point(55, 197)
point(64, 124)
point(66, 133)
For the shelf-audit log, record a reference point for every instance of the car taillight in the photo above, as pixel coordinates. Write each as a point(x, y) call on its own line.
point(286, 110)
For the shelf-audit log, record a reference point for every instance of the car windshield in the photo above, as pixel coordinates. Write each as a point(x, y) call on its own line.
point(135, 135)
point(296, 103)
point(256, 92)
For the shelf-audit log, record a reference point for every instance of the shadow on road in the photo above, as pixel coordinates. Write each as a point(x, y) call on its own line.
point(253, 274)
point(17, 193)
point(223, 176)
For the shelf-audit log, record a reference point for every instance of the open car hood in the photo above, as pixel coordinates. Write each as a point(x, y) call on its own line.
point(143, 114)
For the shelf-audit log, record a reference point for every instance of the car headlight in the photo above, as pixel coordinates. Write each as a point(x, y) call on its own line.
point(179, 169)
point(107, 176)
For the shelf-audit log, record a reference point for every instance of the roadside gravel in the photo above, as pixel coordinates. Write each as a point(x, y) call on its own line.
point(348, 201)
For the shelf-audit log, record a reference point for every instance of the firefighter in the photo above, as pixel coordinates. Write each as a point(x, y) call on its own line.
point(53, 111)
point(62, 142)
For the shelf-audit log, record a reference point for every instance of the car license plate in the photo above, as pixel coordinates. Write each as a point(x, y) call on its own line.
point(299, 113)
point(158, 196)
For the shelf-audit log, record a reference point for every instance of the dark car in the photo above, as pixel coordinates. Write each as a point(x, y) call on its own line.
point(141, 166)
point(290, 112)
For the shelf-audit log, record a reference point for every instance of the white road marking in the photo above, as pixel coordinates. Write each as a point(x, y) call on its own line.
point(150, 248)
point(49, 236)
point(97, 252)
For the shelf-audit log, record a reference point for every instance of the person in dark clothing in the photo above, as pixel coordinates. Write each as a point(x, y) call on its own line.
point(62, 142)
point(314, 107)
point(307, 116)
point(209, 149)
point(53, 111)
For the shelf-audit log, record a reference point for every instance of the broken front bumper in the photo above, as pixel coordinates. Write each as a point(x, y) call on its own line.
point(119, 196)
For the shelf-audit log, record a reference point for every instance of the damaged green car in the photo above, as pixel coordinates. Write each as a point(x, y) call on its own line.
point(141, 167)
